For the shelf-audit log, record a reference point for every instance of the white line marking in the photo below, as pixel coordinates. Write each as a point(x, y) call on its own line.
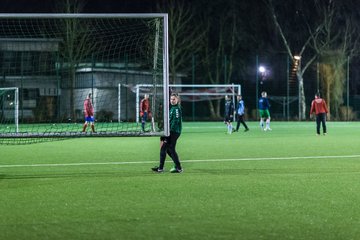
point(184, 161)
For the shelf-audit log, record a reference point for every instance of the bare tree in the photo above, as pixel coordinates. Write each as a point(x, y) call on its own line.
point(336, 44)
point(332, 38)
point(184, 35)
point(304, 63)
point(76, 43)
point(333, 79)
point(219, 48)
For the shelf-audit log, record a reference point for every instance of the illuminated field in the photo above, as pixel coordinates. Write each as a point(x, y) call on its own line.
point(284, 184)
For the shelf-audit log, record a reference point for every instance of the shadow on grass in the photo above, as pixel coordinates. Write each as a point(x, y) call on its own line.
point(287, 171)
point(187, 173)
point(118, 174)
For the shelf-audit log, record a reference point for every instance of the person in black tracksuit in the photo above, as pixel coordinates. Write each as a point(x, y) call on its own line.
point(228, 114)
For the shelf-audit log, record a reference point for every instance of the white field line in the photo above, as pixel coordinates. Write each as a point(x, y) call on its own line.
point(183, 161)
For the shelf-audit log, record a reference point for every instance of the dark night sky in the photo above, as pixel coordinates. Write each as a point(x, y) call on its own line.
point(92, 6)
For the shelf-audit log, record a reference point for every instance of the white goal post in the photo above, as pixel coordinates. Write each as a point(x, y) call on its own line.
point(208, 90)
point(10, 107)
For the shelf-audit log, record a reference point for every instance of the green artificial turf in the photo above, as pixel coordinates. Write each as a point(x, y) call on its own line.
point(284, 184)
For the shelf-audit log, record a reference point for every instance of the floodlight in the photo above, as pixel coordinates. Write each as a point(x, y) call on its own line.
point(262, 69)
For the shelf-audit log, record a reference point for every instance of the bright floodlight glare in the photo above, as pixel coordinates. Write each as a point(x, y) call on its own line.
point(262, 69)
point(297, 57)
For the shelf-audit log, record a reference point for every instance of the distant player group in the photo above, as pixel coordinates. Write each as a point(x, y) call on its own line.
point(229, 110)
point(318, 107)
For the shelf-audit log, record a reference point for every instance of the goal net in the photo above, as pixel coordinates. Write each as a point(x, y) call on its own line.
point(54, 62)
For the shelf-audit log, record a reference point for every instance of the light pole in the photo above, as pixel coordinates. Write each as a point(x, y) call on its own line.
point(262, 71)
point(288, 87)
point(257, 87)
point(347, 88)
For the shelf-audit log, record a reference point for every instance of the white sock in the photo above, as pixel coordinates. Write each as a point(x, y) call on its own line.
point(229, 128)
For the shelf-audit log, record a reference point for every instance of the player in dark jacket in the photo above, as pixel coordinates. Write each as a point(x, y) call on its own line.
point(228, 114)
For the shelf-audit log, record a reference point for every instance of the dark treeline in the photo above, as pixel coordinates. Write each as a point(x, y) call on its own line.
point(222, 41)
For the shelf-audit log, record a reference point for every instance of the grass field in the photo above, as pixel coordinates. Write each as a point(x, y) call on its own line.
point(284, 184)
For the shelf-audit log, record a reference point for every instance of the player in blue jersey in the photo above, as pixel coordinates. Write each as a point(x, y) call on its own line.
point(264, 107)
point(240, 112)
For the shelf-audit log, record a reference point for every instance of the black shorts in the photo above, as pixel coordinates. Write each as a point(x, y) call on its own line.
point(228, 119)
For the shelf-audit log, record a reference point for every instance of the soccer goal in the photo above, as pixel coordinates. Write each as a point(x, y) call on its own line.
point(55, 61)
point(191, 92)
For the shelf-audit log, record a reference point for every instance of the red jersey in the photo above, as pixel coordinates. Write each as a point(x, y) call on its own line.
point(318, 105)
point(144, 106)
point(88, 108)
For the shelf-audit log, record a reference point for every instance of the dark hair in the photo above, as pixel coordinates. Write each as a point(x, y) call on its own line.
point(317, 94)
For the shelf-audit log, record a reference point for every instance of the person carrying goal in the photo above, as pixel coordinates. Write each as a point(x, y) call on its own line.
point(168, 144)
point(89, 114)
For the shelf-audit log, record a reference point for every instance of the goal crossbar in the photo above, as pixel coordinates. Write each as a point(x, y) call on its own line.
point(81, 15)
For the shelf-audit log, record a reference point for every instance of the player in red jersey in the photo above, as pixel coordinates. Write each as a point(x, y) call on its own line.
point(318, 106)
point(144, 110)
point(89, 114)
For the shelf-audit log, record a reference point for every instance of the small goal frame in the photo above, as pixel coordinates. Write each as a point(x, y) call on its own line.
point(235, 90)
point(15, 104)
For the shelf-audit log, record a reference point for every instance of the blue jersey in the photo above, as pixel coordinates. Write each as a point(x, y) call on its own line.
point(264, 104)
point(241, 108)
